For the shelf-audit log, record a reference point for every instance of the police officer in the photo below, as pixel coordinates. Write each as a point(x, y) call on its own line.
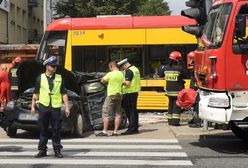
point(13, 77)
point(130, 90)
point(49, 92)
point(174, 74)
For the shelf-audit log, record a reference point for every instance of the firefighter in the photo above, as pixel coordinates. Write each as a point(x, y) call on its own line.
point(190, 66)
point(13, 77)
point(50, 91)
point(174, 74)
point(195, 122)
point(130, 90)
point(4, 87)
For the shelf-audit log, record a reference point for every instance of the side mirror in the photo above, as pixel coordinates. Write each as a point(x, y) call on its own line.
point(240, 26)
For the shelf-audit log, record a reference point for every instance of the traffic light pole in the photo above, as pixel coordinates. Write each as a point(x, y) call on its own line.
point(197, 10)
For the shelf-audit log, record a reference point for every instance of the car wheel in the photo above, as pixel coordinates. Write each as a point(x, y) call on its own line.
point(11, 132)
point(241, 133)
point(123, 118)
point(79, 125)
point(98, 122)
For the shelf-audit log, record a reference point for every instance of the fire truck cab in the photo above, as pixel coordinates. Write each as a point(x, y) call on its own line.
point(221, 66)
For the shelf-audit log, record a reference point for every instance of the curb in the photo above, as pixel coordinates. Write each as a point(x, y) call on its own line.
point(186, 131)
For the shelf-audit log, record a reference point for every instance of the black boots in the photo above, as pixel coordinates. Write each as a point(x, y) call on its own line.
point(41, 153)
point(195, 122)
point(195, 125)
point(174, 122)
point(58, 154)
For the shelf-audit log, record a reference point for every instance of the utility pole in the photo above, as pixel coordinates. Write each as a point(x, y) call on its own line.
point(51, 10)
point(44, 15)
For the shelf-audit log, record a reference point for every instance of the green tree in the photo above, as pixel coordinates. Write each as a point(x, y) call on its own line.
point(74, 8)
point(92, 8)
point(153, 8)
point(117, 7)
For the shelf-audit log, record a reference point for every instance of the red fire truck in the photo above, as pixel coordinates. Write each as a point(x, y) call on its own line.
point(8, 52)
point(221, 65)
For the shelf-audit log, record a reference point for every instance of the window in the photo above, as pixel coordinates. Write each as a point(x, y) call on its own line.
point(146, 58)
point(240, 45)
point(54, 44)
point(90, 58)
point(19, 16)
point(216, 25)
point(12, 13)
point(24, 18)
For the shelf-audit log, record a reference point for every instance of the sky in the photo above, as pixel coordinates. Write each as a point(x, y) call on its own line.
point(176, 6)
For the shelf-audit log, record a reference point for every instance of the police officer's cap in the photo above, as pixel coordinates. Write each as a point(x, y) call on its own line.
point(122, 62)
point(50, 61)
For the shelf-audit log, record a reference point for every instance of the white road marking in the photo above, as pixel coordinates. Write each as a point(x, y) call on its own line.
point(95, 162)
point(154, 154)
point(97, 146)
point(104, 140)
point(79, 156)
point(138, 154)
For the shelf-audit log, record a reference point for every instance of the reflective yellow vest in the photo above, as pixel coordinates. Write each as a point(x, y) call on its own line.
point(135, 83)
point(46, 95)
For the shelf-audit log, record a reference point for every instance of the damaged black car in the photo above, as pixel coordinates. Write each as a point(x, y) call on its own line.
point(86, 96)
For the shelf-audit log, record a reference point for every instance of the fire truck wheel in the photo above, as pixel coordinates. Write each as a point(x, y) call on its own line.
point(241, 133)
point(11, 132)
point(79, 125)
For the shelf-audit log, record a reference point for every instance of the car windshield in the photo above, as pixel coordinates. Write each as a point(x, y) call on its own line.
point(216, 25)
point(53, 44)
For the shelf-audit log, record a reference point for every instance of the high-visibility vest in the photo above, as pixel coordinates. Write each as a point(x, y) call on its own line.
point(174, 79)
point(13, 79)
point(47, 97)
point(135, 82)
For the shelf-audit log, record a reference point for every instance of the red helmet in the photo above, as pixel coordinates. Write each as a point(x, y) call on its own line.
point(175, 55)
point(17, 60)
point(186, 98)
point(191, 54)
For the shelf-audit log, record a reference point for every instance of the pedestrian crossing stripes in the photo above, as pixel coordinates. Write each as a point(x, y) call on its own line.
point(97, 162)
point(100, 151)
point(109, 146)
point(109, 140)
point(154, 154)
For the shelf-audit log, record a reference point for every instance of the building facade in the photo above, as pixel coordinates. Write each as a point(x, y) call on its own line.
point(4, 10)
point(21, 21)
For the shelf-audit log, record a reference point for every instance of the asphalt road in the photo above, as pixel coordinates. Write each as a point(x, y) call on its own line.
point(222, 150)
point(157, 145)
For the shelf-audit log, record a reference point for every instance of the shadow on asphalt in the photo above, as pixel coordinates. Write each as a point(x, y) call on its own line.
point(222, 143)
point(11, 149)
point(147, 130)
point(35, 135)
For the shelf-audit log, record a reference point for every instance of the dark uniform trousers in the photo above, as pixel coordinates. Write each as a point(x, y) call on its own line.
point(174, 75)
point(130, 105)
point(49, 115)
point(174, 111)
